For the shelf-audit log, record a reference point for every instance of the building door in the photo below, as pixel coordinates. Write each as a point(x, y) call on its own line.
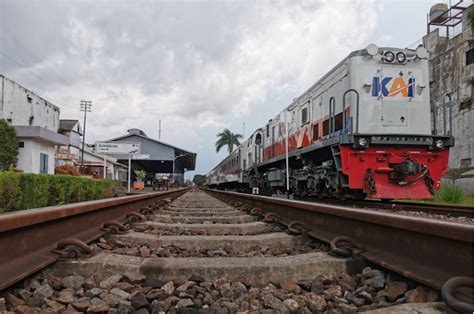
point(43, 163)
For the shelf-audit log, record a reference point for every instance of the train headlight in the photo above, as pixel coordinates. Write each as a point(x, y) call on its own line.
point(401, 57)
point(362, 142)
point(439, 144)
point(421, 52)
point(372, 50)
point(388, 56)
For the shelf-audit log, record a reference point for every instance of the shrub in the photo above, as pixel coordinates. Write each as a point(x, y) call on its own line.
point(10, 194)
point(450, 193)
point(26, 190)
point(70, 170)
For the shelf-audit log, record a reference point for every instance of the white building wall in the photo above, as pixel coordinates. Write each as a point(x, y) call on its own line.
point(25, 154)
point(29, 156)
point(20, 106)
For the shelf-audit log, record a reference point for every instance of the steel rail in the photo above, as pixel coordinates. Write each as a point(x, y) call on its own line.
point(30, 240)
point(441, 209)
point(429, 251)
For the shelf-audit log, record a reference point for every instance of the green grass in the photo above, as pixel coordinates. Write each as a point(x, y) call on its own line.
point(443, 196)
point(450, 194)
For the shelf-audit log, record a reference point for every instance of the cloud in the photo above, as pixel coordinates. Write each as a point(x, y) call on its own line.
point(198, 66)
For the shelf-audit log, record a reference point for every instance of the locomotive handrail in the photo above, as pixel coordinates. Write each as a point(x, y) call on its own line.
point(344, 110)
point(433, 116)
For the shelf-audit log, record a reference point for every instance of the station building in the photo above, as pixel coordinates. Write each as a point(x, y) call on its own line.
point(36, 122)
point(163, 160)
point(45, 141)
point(451, 61)
point(450, 43)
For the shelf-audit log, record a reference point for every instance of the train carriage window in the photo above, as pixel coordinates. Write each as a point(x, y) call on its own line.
point(325, 127)
point(315, 131)
point(268, 130)
point(338, 122)
point(304, 116)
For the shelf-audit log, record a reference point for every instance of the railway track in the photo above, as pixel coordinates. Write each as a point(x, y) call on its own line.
point(449, 210)
point(435, 252)
point(198, 254)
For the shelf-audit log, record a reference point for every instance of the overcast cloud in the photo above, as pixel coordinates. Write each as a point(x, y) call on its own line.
point(197, 66)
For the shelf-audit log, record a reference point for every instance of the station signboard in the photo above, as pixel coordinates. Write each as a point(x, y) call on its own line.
point(117, 148)
point(140, 156)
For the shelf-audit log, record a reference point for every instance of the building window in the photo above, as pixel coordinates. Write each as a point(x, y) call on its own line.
point(29, 99)
point(470, 56)
point(21, 144)
point(466, 162)
point(43, 163)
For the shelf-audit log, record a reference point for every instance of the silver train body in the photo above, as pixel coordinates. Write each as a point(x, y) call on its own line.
point(371, 110)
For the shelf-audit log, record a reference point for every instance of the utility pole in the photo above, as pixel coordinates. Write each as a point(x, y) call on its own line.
point(85, 107)
point(243, 131)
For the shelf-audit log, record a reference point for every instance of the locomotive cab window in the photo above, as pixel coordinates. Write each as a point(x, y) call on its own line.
point(304, 115)
point(325, 127)
point(315, 131)
point(338, 123)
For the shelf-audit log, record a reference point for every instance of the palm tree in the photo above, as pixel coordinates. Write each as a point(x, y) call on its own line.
point(227, 138)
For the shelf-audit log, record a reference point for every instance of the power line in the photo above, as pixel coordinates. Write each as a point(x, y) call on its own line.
point(24, 66)
point(28, 51)
point(32, 71)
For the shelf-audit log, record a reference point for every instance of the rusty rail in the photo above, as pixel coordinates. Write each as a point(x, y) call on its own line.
point(429, 251)
point(32, 239)
point(440, 209)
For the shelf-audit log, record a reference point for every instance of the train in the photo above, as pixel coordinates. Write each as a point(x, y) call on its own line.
point(363, 130)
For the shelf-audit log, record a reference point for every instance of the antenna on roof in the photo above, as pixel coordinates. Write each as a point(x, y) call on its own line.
point(159, 129)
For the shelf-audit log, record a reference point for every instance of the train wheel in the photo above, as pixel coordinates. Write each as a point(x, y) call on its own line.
point(359, 195)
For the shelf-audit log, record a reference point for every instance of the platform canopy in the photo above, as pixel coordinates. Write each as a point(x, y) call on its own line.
point(155, 156)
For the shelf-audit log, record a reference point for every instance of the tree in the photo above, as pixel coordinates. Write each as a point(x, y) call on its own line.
point(457, 173)
point(8, 146)
point(199, 179)
point(229, 139)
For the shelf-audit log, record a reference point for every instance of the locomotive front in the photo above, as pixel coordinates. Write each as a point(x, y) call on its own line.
point(393, 151)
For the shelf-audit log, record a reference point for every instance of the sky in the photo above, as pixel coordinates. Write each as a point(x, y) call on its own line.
point(199, 66)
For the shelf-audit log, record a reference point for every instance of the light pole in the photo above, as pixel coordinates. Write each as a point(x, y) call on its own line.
point(85, 107)
point(174, 162)
point(130, 168)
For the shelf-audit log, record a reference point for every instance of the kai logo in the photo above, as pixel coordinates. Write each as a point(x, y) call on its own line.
point(393, 86)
